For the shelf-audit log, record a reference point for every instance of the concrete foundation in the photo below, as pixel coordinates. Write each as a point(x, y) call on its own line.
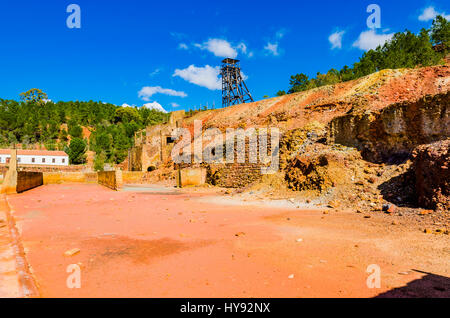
point(19, 181)
point(191, 177)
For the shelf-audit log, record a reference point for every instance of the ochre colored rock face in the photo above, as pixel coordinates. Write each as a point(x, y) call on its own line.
point(396, 129)
point(431, 166)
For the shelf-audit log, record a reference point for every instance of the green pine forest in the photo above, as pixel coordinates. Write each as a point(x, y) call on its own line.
point(59, 126)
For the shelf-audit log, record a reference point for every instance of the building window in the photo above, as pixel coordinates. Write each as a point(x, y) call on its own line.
point(18, 159)
point(32, 160)
point(43, 160)
point(64, 160)
point(7, 160)
point(53, 160)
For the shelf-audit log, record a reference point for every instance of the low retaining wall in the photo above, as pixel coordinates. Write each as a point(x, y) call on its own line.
point(133, 177)
point(234, 175)
point(28, 180)
point(111, 179)
point(69, 177)
point(191, 177)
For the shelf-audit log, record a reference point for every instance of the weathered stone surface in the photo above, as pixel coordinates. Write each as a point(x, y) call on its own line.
point(111, 179)
point(431, 166)
point(395, 130)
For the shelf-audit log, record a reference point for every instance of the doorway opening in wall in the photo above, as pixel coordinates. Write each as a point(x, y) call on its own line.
point(169, 140)
point(151, 168)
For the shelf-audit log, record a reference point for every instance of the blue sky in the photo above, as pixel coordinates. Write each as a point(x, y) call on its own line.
point(166, 52)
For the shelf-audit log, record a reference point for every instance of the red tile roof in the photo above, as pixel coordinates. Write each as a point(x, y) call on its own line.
point(24, 152)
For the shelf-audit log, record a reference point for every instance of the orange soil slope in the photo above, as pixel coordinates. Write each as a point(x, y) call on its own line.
point(370, 93)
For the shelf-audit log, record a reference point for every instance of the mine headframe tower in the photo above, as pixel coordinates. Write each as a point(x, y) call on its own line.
point(234, 90)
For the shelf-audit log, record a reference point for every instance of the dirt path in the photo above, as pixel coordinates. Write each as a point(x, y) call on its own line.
point(159, 243)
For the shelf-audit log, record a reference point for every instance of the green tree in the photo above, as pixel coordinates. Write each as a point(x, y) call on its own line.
point(299, 82)
point(75, 130)
point(281, 93)
point(33, 95)
point(127, 114)
point(77, 151)
point(440, 32)
point(99, 161)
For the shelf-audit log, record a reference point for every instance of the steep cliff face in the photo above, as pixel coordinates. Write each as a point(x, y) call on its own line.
point(395, 130)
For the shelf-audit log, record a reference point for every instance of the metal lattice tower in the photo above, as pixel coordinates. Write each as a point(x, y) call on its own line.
point(234, 90)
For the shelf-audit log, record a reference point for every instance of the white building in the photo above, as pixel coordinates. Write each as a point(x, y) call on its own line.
point(36, 157)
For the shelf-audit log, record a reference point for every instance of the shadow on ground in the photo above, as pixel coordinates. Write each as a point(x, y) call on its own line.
point(429, 286)
point(400, 190)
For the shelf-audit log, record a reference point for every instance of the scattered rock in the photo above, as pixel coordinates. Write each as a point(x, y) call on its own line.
point(334, 204)
point(299, 240)
point(72, 252)
point(389, 208)
point(291, 276)
point(239, 234)
point(372, 179)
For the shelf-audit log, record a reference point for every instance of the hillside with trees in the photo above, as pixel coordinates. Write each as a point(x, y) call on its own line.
point(59, 126)
point(404, 50)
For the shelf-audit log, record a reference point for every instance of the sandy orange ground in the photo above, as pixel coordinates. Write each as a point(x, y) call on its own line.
point(158, 244)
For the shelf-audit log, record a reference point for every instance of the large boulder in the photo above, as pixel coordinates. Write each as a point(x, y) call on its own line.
point(431, 166)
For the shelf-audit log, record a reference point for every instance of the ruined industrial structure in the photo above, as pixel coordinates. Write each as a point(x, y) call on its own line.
point(234, 89)
point(154, 144)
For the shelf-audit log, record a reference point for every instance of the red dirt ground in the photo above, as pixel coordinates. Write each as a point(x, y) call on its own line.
point(175, 244)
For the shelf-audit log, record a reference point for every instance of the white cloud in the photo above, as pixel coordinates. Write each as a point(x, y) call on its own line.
point(155, 106)
point(272, 48)
point(183, 46)
point(206, 76)
point(126, 105)
point(155, 72)
point(369, 40)
point(336, 39)
point(174, 105)
point(219, 47)
point(242, 47)
point(430, 13)
point(148, 91)
point(223, 48)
